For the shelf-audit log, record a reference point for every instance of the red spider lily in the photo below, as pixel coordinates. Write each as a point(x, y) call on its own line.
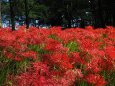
point(89, 28)
point(71, 76)
point(75, 73)
point(97, 52)
point(29, 54)
point(8, 54)
point(17, 58)
point(53, 45)
point(18, 47)
point(66, 37)
point(20, 55)
point(55, 30)
point(65, 66)
point(110, 51)
point(95, 79)
point(61, 60)
point(93, 66)
point(87, 44)
point(50, 62)
point(43, 68)
point(75, 58)
point(12, 56)
point(35, 76)
point(105, 64)
point(40, 75)
point(6, 39)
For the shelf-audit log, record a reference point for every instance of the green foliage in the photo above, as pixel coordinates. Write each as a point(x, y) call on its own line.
point(10, 67)
point(46, 9)
point(73, 47)
point(109, 77)
point(38, 48)
point(53, 36)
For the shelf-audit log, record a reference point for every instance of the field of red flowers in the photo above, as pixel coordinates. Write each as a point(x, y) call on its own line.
point(55, 57)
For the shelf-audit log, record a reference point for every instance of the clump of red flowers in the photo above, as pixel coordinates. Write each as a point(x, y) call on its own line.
point(55, 57)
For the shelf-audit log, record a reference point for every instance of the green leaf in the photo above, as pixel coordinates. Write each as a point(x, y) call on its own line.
point(38, 49)
point(73, 47)
point(10, 67)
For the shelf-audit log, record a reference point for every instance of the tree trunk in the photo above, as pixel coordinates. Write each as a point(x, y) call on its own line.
point(68, 18)
point(113, 10)
point(97, 13)
point(114, 18)
point(94, 13)
point(108, 17)
point(69, 22)
point(100, 14)
point(12, 14)
point(0, 15)
point(27, 14)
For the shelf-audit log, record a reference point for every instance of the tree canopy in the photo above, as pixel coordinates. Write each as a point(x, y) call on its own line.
point(55, 12)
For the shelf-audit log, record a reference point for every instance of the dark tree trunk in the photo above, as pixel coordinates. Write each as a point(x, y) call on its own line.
point(27, 14)
point(69, 23)
point(0, 15)
point(68, 17)
point(114, 18)
point(58, 19)
point(113, 11)
point(109, 11)
point(108, 17)
point(97, 13)
point(94, 12)
point(12, 14)
point(100, 14)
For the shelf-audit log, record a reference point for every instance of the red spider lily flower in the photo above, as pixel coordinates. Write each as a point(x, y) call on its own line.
point(17, 58)
point(75, 73)
point(65, 66)
point(55, 30)
point(39, 66)
point(56, 73)
point(18, 47)
point(95, 79)
point(22, 40)
point(6, 39)
point(89, 28)
point(66, 37)
point(59, 60)
point(75, 58)
point(29, 54)
point(53, 45)
point(110, 51)
point(97, 52)
point(57, 66)
point(24, 79)
point(70, 77)
point(109, 27)
point(8, 54)
point(37, 76)
point(12, 56)
point(93, 65)
point(87, 44)
point(105, 64)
